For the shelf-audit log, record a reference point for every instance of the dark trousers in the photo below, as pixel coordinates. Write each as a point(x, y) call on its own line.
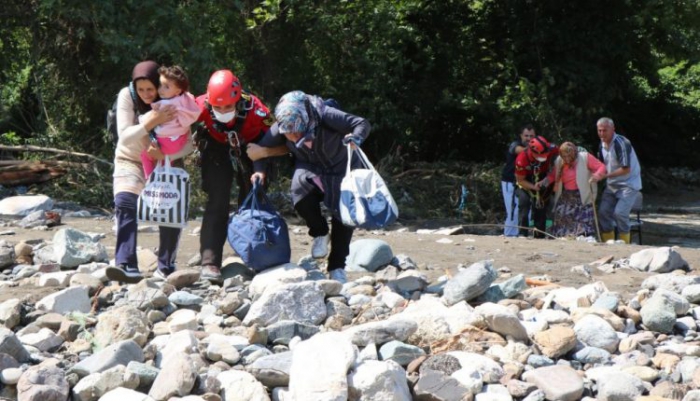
point(309, 208)
point(217, 180)
point(526, 202)
point(125, 204)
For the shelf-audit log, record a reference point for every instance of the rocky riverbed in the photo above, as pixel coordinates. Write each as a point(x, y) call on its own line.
point(427, 315)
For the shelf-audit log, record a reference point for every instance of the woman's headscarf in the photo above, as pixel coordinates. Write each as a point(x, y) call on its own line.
point(299, 112)
point(145, 70)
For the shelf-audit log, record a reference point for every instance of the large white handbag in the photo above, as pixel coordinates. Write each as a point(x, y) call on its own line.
point(166, 198)
point(365, 200)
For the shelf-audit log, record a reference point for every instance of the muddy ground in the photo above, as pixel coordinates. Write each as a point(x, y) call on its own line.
point(668, 220)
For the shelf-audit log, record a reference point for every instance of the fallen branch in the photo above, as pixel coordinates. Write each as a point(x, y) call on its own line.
point(30, 148)
point(7, 165)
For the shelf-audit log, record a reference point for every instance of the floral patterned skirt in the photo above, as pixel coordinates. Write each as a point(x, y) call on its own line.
point(571, 217)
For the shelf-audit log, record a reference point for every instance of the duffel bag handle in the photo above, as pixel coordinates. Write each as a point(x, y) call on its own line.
point(251, 200)
point(251, 203)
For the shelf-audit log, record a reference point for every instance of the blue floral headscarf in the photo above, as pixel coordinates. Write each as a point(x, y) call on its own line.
point(299, 112)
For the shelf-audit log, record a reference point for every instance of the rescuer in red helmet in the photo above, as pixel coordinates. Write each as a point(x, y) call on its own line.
point(231, 119)
point(534, 191)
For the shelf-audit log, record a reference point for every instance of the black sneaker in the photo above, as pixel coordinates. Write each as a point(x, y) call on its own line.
point(124, 274)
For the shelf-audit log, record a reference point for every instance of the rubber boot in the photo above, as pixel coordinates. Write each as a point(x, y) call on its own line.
point(625, 237)
point(604, 237)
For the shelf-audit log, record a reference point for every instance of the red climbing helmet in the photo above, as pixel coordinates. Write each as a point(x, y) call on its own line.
point(223, 89)
point(538, 146)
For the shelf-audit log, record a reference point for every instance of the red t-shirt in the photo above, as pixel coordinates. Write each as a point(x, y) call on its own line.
point(257, 119)
point(528, 167)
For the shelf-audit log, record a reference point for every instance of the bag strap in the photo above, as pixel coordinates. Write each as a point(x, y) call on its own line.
point(362, 156)
point(247, 202)
point(363, 159)
point(251, 201)
point(167, 164)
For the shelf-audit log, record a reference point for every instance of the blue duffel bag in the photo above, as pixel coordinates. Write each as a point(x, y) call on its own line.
point(258, 233)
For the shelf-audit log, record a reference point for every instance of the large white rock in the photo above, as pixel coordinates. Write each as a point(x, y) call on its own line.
point(436, 321)
point(95, 385)
point(595, 331)
point(381, 331)
point(490, 370)
point(73, 248)
point(67, 300)
point(558, 382)
point(120, 353)
point(10, 313)
point(124, 394)
point(681, 306)
point(182, 342)
point(470, 282)
point(43, 340)
point(379, 381)
point(276, 276)
point(176, 378)
point(502, 320)
point(237, 385)
point(658, 260)
point(320, 367)
point(123, 323)
point(56, 279)
point(46, 383)
point(182, 319)
point(302, 302)
point(25, 204)
point(620, 386)
point(670, 281)
point(692, 293)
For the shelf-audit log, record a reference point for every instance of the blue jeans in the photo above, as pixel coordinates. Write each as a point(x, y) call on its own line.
point(125, 204)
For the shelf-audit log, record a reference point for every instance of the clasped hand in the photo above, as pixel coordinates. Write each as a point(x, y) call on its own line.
point(163, 114)
point(541, 184)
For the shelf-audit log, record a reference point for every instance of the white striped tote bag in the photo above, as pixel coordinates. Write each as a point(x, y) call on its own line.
point(166, 198)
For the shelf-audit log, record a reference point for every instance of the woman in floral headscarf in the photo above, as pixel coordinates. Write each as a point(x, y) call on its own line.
point(316, 133)
point(574, 193)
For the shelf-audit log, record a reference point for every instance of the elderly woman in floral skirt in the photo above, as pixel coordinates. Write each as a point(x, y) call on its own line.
point(574, 192)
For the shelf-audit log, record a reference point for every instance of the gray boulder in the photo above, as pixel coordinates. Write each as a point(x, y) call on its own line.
point(470, 283)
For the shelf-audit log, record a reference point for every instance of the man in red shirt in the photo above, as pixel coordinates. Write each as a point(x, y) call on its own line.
point(231, 120)
point(534, 190)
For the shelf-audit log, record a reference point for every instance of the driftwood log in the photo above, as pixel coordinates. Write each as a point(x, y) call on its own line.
point(24, 172)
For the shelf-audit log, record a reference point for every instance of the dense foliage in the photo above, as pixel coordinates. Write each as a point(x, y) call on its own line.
point(439, 80)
